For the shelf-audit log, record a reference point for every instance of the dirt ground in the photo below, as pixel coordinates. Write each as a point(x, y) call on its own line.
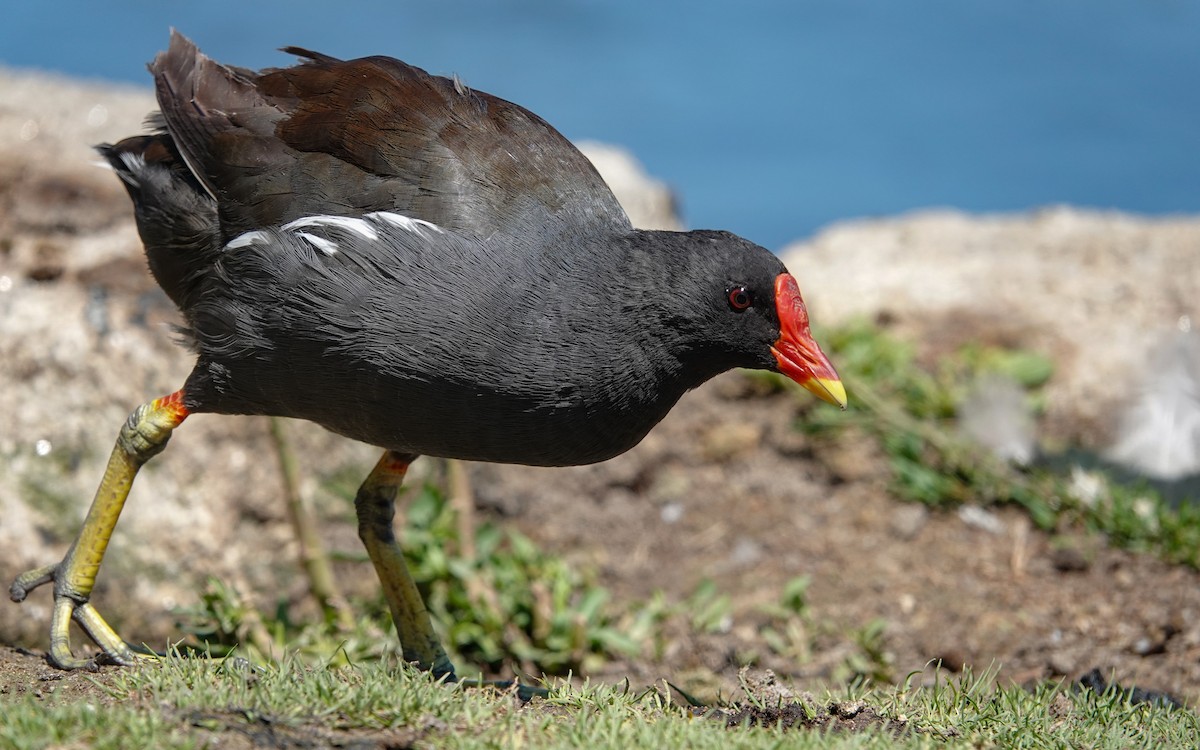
point(755, 510)
point(724, 489)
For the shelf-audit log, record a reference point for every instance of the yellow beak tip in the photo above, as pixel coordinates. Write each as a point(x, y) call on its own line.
point(828, 390)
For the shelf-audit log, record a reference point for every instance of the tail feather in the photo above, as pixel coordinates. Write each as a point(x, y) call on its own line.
point(176, 217)
point(204, 103)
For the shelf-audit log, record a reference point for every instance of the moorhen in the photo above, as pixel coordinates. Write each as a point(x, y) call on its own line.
point(419, 266)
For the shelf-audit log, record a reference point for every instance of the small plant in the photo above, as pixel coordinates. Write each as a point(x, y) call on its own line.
point(789, 630)
point(872, 662)
point(509, 602)
point(218, 619)
point(709, 610)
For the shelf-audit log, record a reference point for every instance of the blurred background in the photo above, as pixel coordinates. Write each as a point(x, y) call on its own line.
point(770, 119)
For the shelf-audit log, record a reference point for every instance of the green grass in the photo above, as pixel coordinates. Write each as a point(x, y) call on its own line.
point(189, 703)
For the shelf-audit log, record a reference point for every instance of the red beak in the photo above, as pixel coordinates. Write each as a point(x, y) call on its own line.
point(796, 352)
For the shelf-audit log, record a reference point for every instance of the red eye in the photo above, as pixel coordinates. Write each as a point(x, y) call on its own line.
point(740, 298)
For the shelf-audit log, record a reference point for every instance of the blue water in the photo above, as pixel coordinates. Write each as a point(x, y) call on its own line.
point(769, 119)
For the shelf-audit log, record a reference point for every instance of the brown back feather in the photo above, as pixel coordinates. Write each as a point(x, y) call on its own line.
point(345, 137)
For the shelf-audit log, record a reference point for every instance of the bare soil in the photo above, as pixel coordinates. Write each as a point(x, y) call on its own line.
point(753, 512)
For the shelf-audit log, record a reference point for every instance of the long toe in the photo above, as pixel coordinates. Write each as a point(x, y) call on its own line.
point(30, 580)
point(68, 608)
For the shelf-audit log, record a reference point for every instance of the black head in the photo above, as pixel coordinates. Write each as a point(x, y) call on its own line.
point(739, 307)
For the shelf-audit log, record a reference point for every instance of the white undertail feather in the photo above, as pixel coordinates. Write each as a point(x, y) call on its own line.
point(135, 164)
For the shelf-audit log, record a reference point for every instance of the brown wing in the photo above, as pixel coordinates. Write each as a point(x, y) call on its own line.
point(344, 137)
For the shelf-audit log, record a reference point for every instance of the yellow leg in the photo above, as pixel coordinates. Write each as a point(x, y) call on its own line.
point(144, 435)
point(375, 505)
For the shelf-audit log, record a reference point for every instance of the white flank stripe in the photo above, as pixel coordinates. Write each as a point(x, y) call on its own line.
point(247, 239)
point(404, 222)
point(350, 224)
point(319, 243)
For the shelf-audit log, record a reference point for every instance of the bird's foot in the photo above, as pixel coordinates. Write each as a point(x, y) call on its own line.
point(68, 606)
